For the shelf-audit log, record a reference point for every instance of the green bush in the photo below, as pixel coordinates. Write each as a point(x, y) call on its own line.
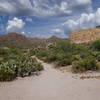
point(11, 69)
point(17, 62)
point(76, 57)
point(85, 64)
point(51, 58)
point(98, 58)
point(42, 53)
point(28, 66)
point(96, 45)
point(64, 62)
point(38, 67)
point(6, 73)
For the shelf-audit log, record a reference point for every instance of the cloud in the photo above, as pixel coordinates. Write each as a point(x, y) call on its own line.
point(97, 14)
point(29, 19)
point(70, 25)
point(57, 31)
point(85, 21)
point(83, 2)
point(15, 7)
point(60, 7)
point(23, 33)
point(44, 8)
point(15, 24)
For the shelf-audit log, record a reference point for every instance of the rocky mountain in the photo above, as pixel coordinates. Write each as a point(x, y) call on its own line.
point(85, 35)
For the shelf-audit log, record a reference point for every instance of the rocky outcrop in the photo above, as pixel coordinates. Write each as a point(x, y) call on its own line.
point(85, 35)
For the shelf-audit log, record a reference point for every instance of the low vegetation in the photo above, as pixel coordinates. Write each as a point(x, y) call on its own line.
point(17, 62)
point(96, 45)
point(85, 64)
point(81, 57)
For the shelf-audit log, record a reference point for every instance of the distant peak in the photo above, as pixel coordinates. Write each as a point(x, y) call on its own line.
point(53, 37)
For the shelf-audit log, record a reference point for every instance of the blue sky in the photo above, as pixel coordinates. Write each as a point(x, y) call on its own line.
point(44, 18)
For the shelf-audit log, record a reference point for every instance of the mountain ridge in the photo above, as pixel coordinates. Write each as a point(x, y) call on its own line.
point(14, 39)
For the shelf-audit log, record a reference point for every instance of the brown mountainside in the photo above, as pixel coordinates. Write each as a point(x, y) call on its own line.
point(85, 35)
point(17, 40)
point(14, 40)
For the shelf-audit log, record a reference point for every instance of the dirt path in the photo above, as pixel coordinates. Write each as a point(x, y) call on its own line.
point(52, 84)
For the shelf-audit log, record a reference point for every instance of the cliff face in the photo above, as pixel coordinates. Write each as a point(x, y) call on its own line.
point(85, 35)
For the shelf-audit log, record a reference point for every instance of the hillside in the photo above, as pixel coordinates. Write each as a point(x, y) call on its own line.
point(17, 40)
point(14, 40)
point(85, 35)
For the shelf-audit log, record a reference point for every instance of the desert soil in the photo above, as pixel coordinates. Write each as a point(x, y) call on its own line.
point(51, 84)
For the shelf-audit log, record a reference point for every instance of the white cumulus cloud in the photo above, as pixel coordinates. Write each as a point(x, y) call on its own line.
point(15, 24)
point(57, 31)
point(85, 21)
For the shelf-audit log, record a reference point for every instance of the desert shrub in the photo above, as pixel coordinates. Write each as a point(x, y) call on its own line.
point(4, 51)
point(96, 45)
point(32, 52)
point(63, 47)
point(22, 68)
point(17, 62)
point(38, 66)
point(98, 58)
point(76, 57)
point(96, 55)
point(64, 53)
point(6, 73)
point(51, 58)
point(64, 60)
point(1, 60)
point(42, 53)
point(85, 64)
point(28, 66)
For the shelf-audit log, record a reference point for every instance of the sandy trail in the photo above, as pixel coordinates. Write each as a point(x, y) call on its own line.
point(52, 84)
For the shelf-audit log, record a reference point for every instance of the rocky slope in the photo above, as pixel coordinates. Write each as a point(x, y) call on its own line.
point(85, 35)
